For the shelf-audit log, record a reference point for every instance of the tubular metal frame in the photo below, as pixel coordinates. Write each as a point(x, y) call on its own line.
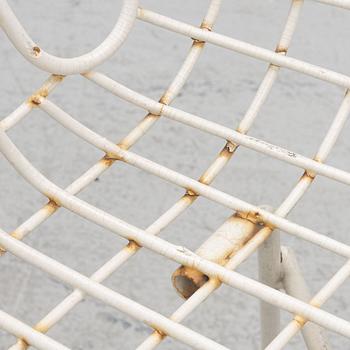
point(295, 301)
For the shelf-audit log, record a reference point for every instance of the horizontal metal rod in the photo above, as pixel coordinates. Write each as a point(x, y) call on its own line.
point(218, 130)
point(244, 48)
point(181, 180)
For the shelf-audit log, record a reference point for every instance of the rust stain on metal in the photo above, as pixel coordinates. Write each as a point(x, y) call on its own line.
point(2, 250)
point(132, 246)
point(165, 100)
point(53, 205)
point(198, 42)
point(53, 202)
point(187, 280)
point(35, 100)
point(281, 50)
point(253, 217)
point(44, 90)
point(123, 145)
point(105, 161)
point(228, 149)
point(36, 51)
point(159, 333)
point(207, 26)
point(299, 320)
point(42, 328)
point(315, 304)
point(309, 175)
point(112, 157)
point(317, 159)
point(206, 177)
point(191, 193)
point(15, 234)
point(204, 26)
point(23, 343)
point(189, 198)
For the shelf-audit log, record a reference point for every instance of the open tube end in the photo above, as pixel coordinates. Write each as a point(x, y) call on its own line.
point(187, 281)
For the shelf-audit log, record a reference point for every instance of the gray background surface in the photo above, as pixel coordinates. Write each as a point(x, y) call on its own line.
point(296, 116)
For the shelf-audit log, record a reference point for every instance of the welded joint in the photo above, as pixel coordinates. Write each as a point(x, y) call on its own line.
point(158, 332)
point(35, 100)
point(252, 216)
point(282, 50)
point(53, 202)
point(309, 174)
point(161, 107)
point(40, 327)
point(132, 246)
point(229, 149)
point(204, 26)
point(300, 321)
point(24, 343)
point(51, 205)
point(164, 100)
point(229, 238)
point(112, 157)
point(191, 193)
point(43, 92)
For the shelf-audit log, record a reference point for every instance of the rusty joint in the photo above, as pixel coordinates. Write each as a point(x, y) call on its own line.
point(197, 41)
point(204, 26)
point(281, 50)
point(35, 100)
point(162, 105)
point(53, 204)
point(161, 334)
point(111, 157)
point(132, 245)
point(163, 100)
point(299, 320)
point(309, 174)
point(230, 147)
point(191, 193)
point(252, 216)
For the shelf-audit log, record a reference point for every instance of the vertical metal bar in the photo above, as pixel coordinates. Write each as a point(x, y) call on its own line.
point(269, 257)
point(295, 285)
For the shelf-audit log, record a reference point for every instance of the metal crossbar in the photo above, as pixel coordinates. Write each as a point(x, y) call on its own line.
point(261, 221)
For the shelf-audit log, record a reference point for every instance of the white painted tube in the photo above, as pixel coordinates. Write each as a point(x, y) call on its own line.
point(64, 66)
point(295, 285)
point(225, 241)
point(269, 257)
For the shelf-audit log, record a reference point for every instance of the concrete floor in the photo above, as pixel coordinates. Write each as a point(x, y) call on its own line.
point(295, 116)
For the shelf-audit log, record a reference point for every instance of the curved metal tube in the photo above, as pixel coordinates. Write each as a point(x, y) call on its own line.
point(61, 65)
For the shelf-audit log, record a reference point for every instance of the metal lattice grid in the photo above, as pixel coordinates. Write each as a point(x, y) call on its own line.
point(250, 228)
